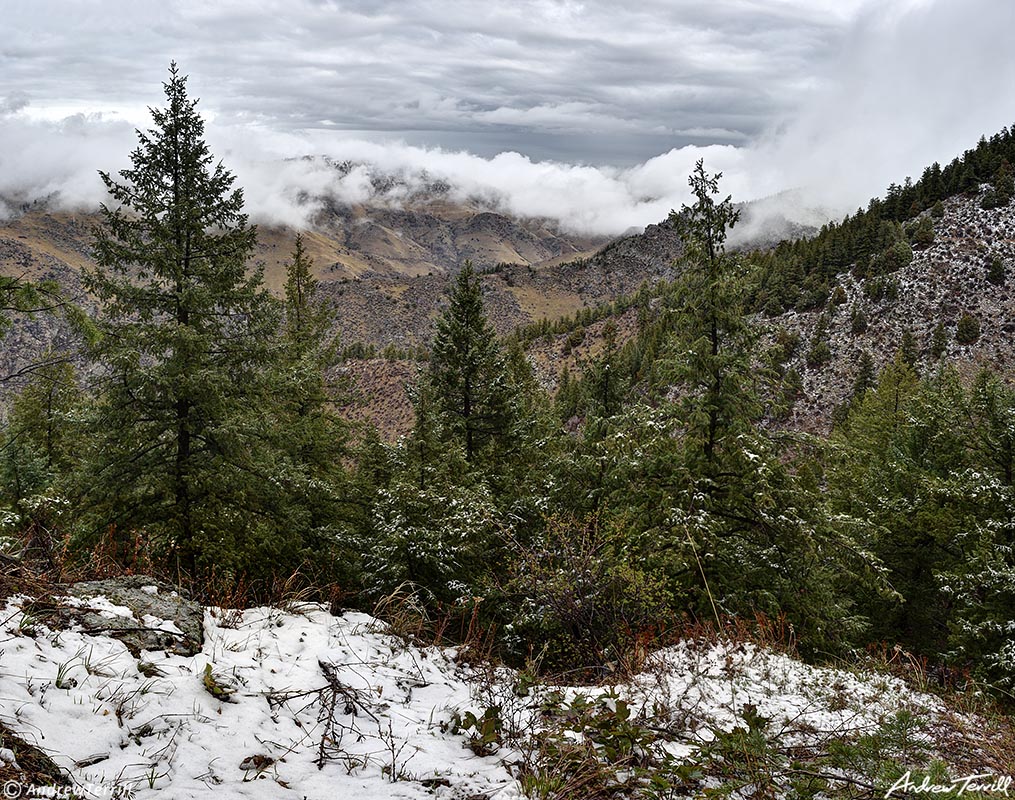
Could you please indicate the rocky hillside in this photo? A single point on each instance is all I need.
(382, 310)
(394, 313)
(945, 281)
(387, 270)
(346, 242)
(40, 250)
(386, 267)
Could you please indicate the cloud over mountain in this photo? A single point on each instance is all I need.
(582, 112)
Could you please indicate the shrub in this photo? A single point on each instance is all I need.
(819, 355)
(968, 330)
(991, 200)
(581, 600)
(786, 344)
(437, 538)
(893, 258)
(881, 288)
(594, 747)
(923, 236)
(995, 270)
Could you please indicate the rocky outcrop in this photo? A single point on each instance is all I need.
(143, 613)
(944, 281)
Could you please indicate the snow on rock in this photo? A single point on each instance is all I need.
(330, 706)
(122, 605)
(943, 281)
(7, 757)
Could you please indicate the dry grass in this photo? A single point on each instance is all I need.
(409, 613)
(539, 304)
(17, 579)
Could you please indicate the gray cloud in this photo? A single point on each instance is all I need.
(911, 85)
(13, 103)
(584, 112)
(529, 69)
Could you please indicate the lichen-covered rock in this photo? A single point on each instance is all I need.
(143, 613)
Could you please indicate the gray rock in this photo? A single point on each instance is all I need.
(136, 593)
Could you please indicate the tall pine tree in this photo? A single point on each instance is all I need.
(714, 340)
(310, 435)
(177, 440)
(468, 373)
(745, 533)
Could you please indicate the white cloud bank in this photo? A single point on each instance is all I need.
(58, 161)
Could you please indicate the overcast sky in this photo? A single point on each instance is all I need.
(583, 111)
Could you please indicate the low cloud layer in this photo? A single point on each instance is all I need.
(546, 109)
(60, 160)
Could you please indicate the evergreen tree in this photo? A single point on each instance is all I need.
(793, 387)
(1004, 183)
(307, 349)
(308, 433)
(930, 466)
(41, 416)
(714, 338)
(308, 318)
(606, 391)
(467, 372)
(866, 376)
(908, 348)
(858, 321)
(567, 398)
(923, 234)
(995, 270)
(939, 340)
(968, 329)
(18, 296)
(178, 429)
(739, 526)
(993, 412)
(820, 352)
(37, 449)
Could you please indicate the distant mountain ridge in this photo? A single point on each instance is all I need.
(388, 269)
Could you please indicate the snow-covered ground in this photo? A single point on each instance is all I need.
(338, 707)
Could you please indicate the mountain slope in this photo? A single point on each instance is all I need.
(943, 282)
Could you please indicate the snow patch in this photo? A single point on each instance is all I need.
(330, 706)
